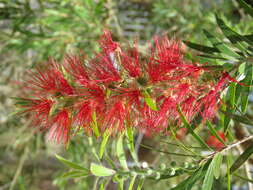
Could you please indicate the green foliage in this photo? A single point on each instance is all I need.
(121, 153)
(242, 159)
(213, 170)
(149, 101)
(105, 138)
(190, 129)
(101, 171)
(53, 28)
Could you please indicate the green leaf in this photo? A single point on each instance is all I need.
(121, 153)
(214, 132)
(228, 172)
(243, 178)
(132, 182)
(239, 118)
(246, 7)
(202, 48)
(95, 125)
(141, 182)
(249, 39)
(190, 129)
(149, 101)
(102, 186)
(21, 101)
(221, 46)
(120, 181)
(229, 106)
(130, 144)
(245, 90)
(217, 165)
(70, 164)
(232, 90)
(242, 159)
(233, 36)
(189, 182)
(208, 180)
(101, 171)
(213, 167)
(106, 136)
(75, 174)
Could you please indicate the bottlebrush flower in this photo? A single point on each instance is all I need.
(130, 61)
(39, 108)
(107, 44)
(103, 70)
(60, 127)
(166, 62)
(75, 66)
(211, 102)
(49, 80)
(115, 117)
(116, 89)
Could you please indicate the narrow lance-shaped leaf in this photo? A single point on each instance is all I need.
(120, 182)
(232, 89)
(221, 46)
(202, 48)
(217, 165)
(208, 180)
(213, 170)
(229, 107)
(249, 39)
(70, 164)
(246, 89)
(132, 182)
(102, 186)
(246, 7)
(242, 159)
(149, 101)
(239, 118)
(121, 153)
(75, 174)
(141, 182)
(95, 125)
(101, 171)
(233, 36)
(214, 132)
(228, 173)
(189, 182)
(106, 136)
(190, 129)
(130, 144)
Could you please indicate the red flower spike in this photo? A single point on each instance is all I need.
(107, 44)
(130, 61)
(211, 100)
(115, 117)
(60, 127)
(84, 116)
(159, 72)
(190, 108)
(40, 108)
(50, 81)
(103, 70)
(132, 96)
(167, 110)
(75, 66)
(168, 52)
(111, 85)
(213, 142)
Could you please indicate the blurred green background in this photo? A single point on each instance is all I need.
(33, 30)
